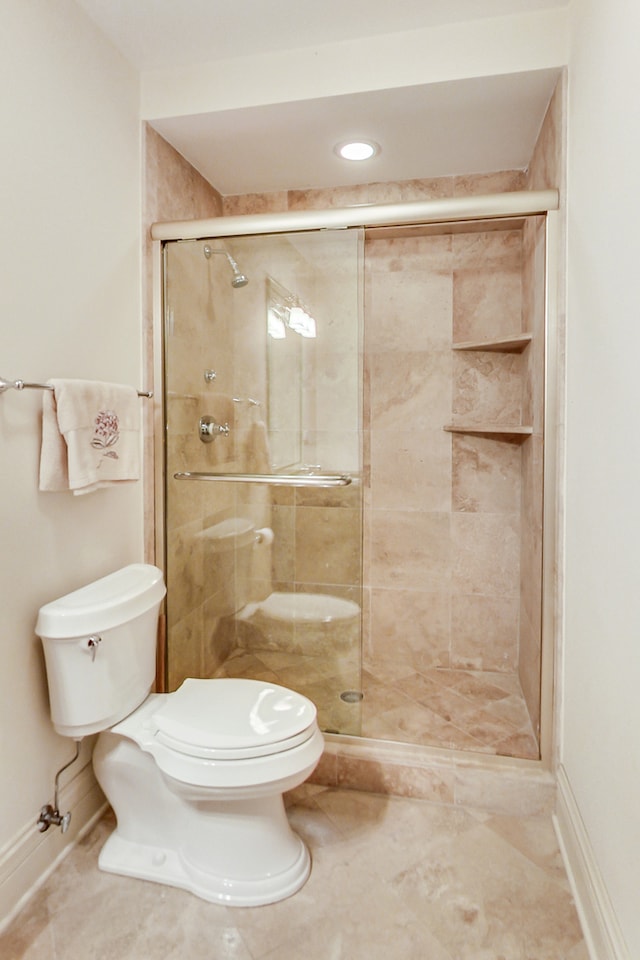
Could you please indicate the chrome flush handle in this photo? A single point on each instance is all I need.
(92, 645)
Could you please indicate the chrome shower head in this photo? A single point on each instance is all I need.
(239, 278)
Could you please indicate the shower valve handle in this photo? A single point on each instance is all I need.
(210, 429)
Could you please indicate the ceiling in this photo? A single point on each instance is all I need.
(432, 130)
(458, 127)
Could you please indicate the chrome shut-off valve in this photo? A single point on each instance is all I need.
(50, 817)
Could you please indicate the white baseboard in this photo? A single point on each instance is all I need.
(30, 857)
(599, 923)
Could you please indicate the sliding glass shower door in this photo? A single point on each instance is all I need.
(263, 499)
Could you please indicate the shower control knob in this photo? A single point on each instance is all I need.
(210, 429)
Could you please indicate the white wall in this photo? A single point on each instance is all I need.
(69, 306)
(600, 747)
(508, 44)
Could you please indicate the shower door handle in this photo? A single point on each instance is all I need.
(272, 479)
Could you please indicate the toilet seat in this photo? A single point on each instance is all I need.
(233, 719)
(227, 734)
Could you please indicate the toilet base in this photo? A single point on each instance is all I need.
(163, 865)
(238, 852)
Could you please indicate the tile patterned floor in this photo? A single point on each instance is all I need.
(456, 709)
(392, 879)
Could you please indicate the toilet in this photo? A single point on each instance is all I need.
(195, 777)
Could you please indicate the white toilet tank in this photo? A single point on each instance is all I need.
(100, 649)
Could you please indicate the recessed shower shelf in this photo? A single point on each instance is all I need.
(496, 431)
(500, 345)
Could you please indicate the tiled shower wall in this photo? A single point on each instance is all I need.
(211, 327)
(444, 511)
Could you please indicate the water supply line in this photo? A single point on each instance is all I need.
(50, 815)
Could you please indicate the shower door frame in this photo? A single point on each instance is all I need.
(444, 212)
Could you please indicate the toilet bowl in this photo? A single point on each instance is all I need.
(195, 777)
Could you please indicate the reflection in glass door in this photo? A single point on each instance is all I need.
(263, 525)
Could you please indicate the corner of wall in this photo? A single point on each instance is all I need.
(600, 926)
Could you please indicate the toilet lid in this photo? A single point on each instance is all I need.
(232, 718)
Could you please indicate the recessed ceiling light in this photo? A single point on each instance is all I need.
(357, 150)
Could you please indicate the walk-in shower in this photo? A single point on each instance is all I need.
(365, 522)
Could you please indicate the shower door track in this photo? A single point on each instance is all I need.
(517, 203)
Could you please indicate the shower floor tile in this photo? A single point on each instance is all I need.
(456, 709)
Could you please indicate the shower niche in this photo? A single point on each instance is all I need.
(406, 598)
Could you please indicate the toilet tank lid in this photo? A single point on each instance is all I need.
(109, 602)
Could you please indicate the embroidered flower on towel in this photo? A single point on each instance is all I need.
(106, 432)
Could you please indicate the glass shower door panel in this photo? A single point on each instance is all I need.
(264, 579)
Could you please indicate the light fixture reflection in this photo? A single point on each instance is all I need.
(286, 311)
(275, 325)
(301, 322)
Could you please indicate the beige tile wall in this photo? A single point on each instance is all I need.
(196, 297)
(208, 327)
(443, 515)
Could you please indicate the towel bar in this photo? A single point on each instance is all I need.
(25, 385)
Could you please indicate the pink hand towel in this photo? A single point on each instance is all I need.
(90, 436)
